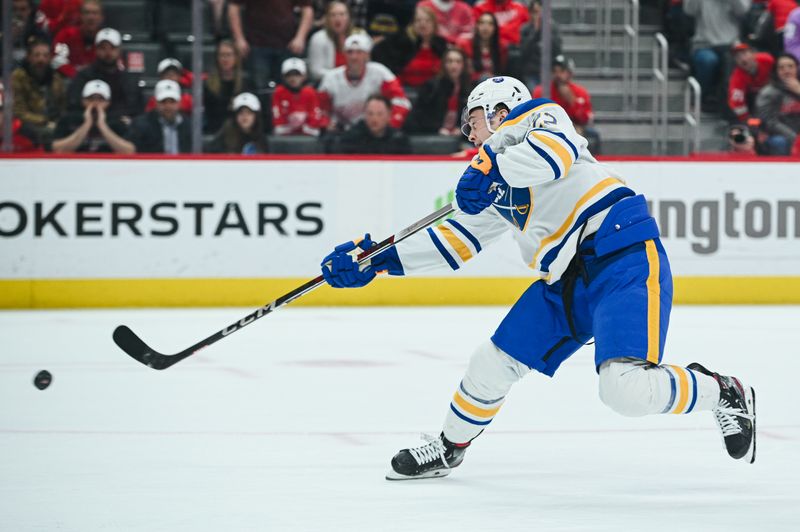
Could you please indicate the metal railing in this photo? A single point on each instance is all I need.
(578, 13)
(691, 115)
(603, 33)
(630, 56)
(660, 112)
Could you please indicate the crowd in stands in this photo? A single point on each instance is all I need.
(744, 54)
(359, 76)
(363, 76)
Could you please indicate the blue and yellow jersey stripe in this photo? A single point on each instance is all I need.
(525, 110)
(598, 198)
(454, 242)
(554, 148)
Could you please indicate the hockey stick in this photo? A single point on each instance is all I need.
(129, 342)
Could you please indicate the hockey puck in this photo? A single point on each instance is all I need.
(43, 379)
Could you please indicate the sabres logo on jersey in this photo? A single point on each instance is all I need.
(515, 205)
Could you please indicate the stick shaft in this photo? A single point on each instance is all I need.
(127, 340)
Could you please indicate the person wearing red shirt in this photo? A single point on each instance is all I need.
(455, 18)
(171, 68)
(487, 52)
(574, 99)
(749, 76)
(295, 106)
(511, 15)
(60, 14)
(415, 54)
(73, 46)
(780, 9)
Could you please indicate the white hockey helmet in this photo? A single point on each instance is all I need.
(491, 92)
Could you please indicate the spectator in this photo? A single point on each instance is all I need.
(23, 27)
(171, 68)
(243, 133)
(73, 46)
(92, 130)
(373, 134)
(717, 28)
(326, 47)
(510, 15)
(40, 96)
(678, 29)
(791, 34)
(388, 17)
(218, 13)
(488, 53)
(415, 54)
(778, 105)
(268, 33)
(59, 14)
(126, 96)
(454, 18)
(740, 141)
(751, 73)
(165, 129)
(295, 106)
(530, 49)
(440, 101)
(222, 84)
(345, 89)
(780, 10)
(19, 142)
(574, 99)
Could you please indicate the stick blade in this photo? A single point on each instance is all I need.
(127, 340)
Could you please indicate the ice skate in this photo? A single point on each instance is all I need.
(436, 458)
(735, 414)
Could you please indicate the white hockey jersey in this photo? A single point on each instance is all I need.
(555, 187)
(343, 99)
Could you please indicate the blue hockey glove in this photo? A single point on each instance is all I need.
(341, 270)
(477, 188)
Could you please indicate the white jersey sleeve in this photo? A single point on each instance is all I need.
(450, 244)
(537, 143)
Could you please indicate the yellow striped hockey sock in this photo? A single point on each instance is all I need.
(690, 391)
(469, 414)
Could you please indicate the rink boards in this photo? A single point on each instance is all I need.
(150, 232)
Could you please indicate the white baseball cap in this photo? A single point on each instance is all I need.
(109, 35)
(293, 63)
(169, 62)
(166, 88)
(96, 86)
(247, 99)
(358, 41)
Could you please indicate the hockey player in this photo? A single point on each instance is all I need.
(601, 273)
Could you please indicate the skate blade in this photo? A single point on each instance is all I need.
(751, 407)
(394, 475)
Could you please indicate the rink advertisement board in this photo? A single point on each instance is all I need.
(97, 232)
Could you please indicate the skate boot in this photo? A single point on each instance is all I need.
(735, 414)
(434, 459)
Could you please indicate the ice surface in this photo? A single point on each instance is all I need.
(290, 425)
